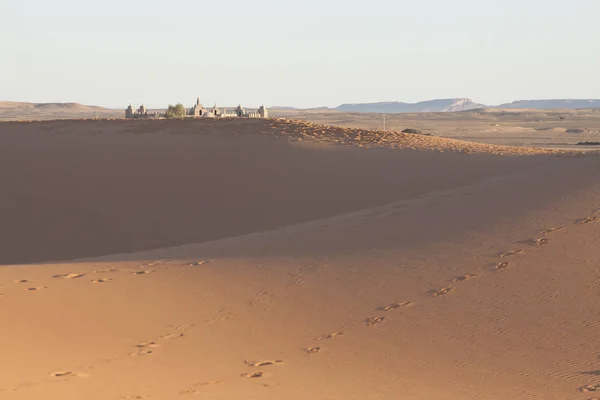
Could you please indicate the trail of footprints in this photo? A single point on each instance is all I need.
(141, 349)
(148, 348)
(499, 266)
(76, 276)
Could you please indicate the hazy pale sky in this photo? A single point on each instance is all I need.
(297, 53)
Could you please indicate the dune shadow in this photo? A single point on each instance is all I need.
(134, 193)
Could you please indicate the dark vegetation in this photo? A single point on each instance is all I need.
(176, 111)
(415, 132)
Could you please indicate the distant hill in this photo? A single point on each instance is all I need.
(453, 105)
(441, 105)
(286, 108)
(557, 103)
(283, 108)
(11, 111)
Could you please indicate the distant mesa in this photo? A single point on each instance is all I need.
(443, 105)
(46, 106)
(199, 111)
(286, 108)
(553, 104)
(464, 104)
(16, 111)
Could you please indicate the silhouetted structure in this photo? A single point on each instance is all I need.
(199, 111)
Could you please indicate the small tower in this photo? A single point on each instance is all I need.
(143, 111)
(129, 113)
(240, 112)
(263, 112)
(196, 110)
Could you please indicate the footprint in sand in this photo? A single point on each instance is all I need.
(262, 363)
(34, 289)
(198, 263)
(61, 374)
(374, 321)
(535, 242)
(68, 276)
(443, 291)
(590, 388)
(142, 353)
(501, 265)
(208, 383)
(312, 350)
(146, 344)
(144, 349)
(102, 280)
(253, 375)
(394, 306)
(67, 374)
(104, 271)
(586, 220)
(330, 336)
(172, 336)
(510, 253)
(465, 277)
(153, 263)
(179, 332)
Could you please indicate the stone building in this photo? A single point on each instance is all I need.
(199, 111)
(141, 112)
(262, 112)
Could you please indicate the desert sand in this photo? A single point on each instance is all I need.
(558, 128)
(285, 260)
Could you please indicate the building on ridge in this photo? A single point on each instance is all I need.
(240, 112)
(263, 112)
(141, 112)
(129, 113)
(199, 111)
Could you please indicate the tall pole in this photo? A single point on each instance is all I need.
(383, 121)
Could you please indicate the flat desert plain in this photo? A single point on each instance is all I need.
(276, 259)
(556, 128)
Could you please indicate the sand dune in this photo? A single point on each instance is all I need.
(231, 260)
(118, 186)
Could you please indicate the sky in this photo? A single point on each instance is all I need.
(305, 53)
